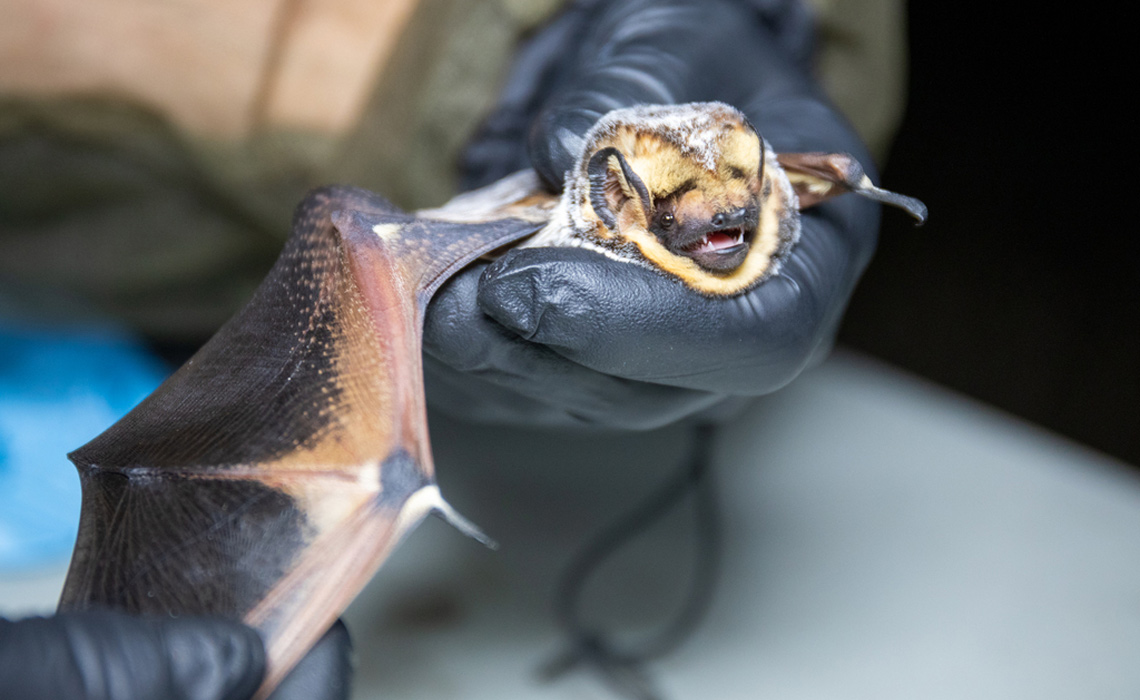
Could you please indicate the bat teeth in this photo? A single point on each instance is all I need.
(716, 240)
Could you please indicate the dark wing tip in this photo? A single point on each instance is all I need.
(910, 205)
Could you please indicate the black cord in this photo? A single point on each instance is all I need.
(623, 668)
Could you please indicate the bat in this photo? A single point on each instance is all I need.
(270, 476)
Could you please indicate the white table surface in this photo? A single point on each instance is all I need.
(884, 539)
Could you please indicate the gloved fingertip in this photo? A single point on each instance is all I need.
(513, 294)
(564, 297)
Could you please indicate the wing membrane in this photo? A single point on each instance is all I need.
(269, 477)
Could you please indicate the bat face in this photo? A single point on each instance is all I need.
(685, 189)
(704, 185)
(705, 192)
(712, 215)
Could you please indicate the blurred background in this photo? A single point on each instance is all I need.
(1021, 291)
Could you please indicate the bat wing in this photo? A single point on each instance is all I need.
(269, 477)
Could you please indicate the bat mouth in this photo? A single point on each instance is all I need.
(720, 250)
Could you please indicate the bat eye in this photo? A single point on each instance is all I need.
(667, 220)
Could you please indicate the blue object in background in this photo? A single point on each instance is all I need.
(58, 389)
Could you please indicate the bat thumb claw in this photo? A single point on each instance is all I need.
(452, 517)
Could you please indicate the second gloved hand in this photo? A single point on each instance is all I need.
(563, 336)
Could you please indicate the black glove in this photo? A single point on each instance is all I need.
(112, 656)
(562, 336)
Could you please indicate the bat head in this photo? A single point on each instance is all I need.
(694, 191)
(690, 178)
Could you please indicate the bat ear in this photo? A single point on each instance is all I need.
(613, 184)
(818, 177)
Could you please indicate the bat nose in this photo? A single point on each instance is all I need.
(730, 219)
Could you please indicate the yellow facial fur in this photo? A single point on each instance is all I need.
(694, 161)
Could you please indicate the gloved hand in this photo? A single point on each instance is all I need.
(562, 336)
(112, 656)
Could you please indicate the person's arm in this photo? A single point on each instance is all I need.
(558, 336)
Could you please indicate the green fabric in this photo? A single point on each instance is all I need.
(433, 96)
(106, 210)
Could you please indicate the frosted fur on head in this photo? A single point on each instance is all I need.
(695, 128)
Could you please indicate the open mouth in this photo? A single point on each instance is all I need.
(722, 250)
(717, 241)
